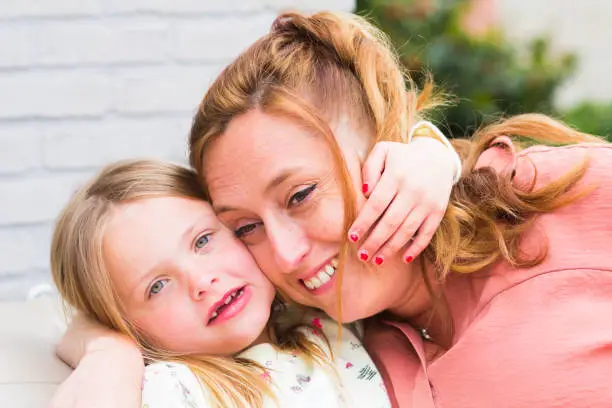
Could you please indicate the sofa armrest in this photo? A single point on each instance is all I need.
(29, 370)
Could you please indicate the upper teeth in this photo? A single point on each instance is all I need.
(323, 276)
(228, 299)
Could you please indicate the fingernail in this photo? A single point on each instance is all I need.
(363, 255)
(378, 260)
(408, 259)
(354, 237)
(364, 188)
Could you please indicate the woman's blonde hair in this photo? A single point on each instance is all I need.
(80, 274)
(310, 68)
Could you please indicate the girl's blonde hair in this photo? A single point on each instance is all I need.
(80, 274)
(314, 68)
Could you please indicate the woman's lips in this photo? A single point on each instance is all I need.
(323, 279)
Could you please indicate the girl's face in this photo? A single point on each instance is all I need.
(184, 280)
(273, 183)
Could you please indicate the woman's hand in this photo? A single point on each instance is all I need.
(103, 379)
(109, 368)
(408, 187)
(85, 336)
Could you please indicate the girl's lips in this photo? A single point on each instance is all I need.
(237, 305)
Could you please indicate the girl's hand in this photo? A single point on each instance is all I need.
(408, 187)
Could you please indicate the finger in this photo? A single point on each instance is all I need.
(373, 167)
(402, 236)
(424, 235)
(373, 208)
(385, 228)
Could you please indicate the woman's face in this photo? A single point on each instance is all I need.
(274, 184)
(183, 278)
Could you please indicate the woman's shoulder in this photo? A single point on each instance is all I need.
(544, 164)
(169, 384)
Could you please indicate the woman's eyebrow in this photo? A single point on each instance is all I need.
(280, 178)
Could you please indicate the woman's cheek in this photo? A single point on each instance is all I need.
(330, 219)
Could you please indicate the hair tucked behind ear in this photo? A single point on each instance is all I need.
(80, 274)
(308, 66)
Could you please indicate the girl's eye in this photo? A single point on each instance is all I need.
(301, 195)
(202, 241)
(245, 230)
(157, 287)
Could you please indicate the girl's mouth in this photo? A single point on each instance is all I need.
(230, 305)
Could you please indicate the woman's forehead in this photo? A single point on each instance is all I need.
(257, 142)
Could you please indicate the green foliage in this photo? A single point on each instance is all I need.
(592, 118)
(489, 76)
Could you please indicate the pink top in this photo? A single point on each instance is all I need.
(539, 337)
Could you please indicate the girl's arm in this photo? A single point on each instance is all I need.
(408, 187)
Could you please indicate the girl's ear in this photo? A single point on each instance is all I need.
(500, 156)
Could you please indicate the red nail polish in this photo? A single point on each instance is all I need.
(378, 260)
(408, 259)
(363, 255)
(354, 237)
(364, 188)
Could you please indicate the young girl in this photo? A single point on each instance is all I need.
(140, 251)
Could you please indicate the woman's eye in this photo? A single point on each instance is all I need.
(301, 195)
(202, 241)
(157, 287)
(245, 230)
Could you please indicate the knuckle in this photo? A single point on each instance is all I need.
(369, 246)
(415, 186)
(377, 238)
(439, 212)
(393, 246)
(428, 200)
(389, 224)
(422, 241)
(378, 206)
(410, 226)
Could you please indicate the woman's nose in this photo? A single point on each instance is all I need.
(289, 242)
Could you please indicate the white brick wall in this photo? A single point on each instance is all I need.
(85, 82)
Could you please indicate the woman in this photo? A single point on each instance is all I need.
(499, 297)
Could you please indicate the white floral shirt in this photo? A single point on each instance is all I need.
(296, 384)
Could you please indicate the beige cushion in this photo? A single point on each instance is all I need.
(29, 369)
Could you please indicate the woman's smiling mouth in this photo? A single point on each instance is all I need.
(323, 277)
